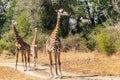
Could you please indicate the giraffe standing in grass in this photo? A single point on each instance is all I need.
(21, 46)
(34, 48)
(53, 46)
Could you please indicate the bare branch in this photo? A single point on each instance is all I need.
(115, 6)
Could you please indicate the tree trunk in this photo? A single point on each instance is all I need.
(115, 6)
(91, 18)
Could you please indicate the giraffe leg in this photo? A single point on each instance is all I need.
(28, 54)
(17, 54)
(34, 61)
(35, 56)
(22, 59)
(55, 56)
(59, 65)
(25, 60)
(50, 58)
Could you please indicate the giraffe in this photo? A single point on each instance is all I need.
(21, 46)
(53, 46)
(34, 48)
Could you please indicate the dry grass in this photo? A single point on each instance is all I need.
(7, 73)
(80, 63)
(87, 63)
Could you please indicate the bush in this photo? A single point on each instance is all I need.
(115, 37)
(105, 43)
(74, 43)
(91, 44)
(8, 42)
(23, 26)
(1, 46)
(42, 40)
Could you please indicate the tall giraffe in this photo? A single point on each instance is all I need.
(21, 46)
(53, 45)
(34, 48)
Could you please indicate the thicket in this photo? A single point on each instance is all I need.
(105, 40)
(98, 33)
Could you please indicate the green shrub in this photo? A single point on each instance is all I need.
(104, 43)
(23, 26)
(42, 40)
(74, 42)
(91, 41)
(115, 37)
(91, 44)
(8, 42)
(10, 47)
(2, 46)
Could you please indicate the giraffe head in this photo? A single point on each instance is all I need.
(35, 29)
(62, 12)
(14, 23)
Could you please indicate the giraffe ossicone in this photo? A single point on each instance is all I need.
(14, 23)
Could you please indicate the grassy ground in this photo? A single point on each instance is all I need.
(92, 63)
(7, 73)
(88, 63)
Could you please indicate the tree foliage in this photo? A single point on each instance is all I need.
(41, 14)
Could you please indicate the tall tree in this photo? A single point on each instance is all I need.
(3, 7)
(6, 14)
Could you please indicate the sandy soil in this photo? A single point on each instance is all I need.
(75, 66)
(41, 72)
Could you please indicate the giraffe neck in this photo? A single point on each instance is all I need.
(56, 31)
(35, 38)
(17, 36)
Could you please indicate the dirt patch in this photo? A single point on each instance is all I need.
(75, 66)
(7, 73)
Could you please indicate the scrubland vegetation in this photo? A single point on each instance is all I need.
(97, 26)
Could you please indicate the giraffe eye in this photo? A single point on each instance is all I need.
(62, 11)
